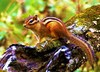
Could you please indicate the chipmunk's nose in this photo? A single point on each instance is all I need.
(24, 25)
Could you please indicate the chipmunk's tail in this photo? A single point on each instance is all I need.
(85, 47)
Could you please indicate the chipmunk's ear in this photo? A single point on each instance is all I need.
(35, 17)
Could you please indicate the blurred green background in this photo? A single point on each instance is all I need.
(13, 13)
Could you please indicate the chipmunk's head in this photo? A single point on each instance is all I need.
(31, 21)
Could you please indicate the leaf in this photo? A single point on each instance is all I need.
(2, 35)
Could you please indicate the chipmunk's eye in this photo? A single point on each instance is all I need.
(31, 21)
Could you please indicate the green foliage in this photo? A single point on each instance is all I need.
(2, 35)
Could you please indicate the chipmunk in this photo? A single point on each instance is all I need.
(55, 28)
